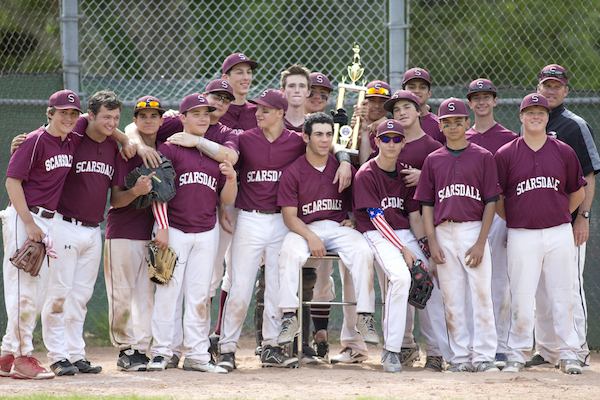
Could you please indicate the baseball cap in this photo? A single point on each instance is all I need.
(481, 85)
(554, 71)
(319, 79)
(64, 100)
(534, 99)
(221, 86)
(416, 73)
(237, 58)
(147, 103)
(378, 89)
(452, 107)
(192, 101)
(390, 126)
(401, 95)
(273, 99)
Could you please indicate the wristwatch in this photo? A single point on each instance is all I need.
(584, 214)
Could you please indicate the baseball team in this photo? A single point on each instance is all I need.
(499, 219)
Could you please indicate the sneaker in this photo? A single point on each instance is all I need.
(191, 365)
(214, 346)
(64, 368)
(29, 368)
(320, 344)
(570, 366)
(500, 360)
(130, 361)
(227, 361)
(584, 366)
(173, 362)
(458, 367)
(391, 361)
(486, 366)
(348, 356)
(434, 363)
(409, 355)
(158, 363)
(536, 360)
(366, 327)
(289, 330)
(513, 367)
(85, 367)
(258, 351)
(274, 357)
(309, 355)
(6, 363)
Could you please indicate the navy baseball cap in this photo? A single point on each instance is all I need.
(401, 95)
(220, 86)
(416, 73)
(273, 99)
(192, 101)
(378, 89)
(481, 85)
(319, 79)
(534, 99)
(237, 58)
(65, 100)
(147, 103)
(554, 71)
(390, 126)
(452, 107)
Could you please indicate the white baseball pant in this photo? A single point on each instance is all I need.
(500, 284)
(223, 255)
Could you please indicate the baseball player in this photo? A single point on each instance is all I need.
(418, 82)
(459, 183)
(34, 180)
(317, 215)
(487, 133)
(371, 114)
(295, 85)
(574, 131)
(542, 181)
(189, 227)
(320, 93)
(237, 70)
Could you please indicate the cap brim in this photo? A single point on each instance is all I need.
(562, 81)
(263, 103)
(67, 107)
(535, 105)
(377, 95)
(452, 115)
(210, 108)
(390, 132)
(160, 110)
(229, 95)
(481, 91)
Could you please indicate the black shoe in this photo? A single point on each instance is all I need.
(536, 360)
(85, 367)
(214, 347)
(227, 361)
(131, 360)
(274, 357)
(64, 368)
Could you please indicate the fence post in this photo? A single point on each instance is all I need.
(69, 33)
(398, 41)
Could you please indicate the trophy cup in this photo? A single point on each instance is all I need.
(355, 72)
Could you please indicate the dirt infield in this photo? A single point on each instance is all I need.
(325, 381)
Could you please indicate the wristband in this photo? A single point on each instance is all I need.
(342, 156)
(424, 243)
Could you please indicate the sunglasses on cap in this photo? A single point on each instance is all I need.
(387, 139)
(221, 97)
(144, 104)
(550, 73)
(323, 97)
(381, 90)
(481, 88)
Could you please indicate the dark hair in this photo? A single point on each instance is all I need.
(106, 98)
(295, 69)
(315, 118)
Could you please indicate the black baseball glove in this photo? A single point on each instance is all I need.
(421, 285)
(163, 183)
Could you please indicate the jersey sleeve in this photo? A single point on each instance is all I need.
(364, 192)
(575, 175)
(502, 167)
(22, 160)
(491, 186)
(425, 187)
(287, 194)
(170, 126)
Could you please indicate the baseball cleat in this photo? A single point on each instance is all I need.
(513, 367)
(6, 363)
(191, 365)
(391, 361)
(366, 327)
(85, 367)
(349, 356)
(536, 360)
(214, 346)
(274, 357)
(227, 361)
(289, 330)
(434, 363)
(29, 368)
(570, 367)
(129, 360)
(64, 368)
(458, 367)
(158, 363)
(486, 366)
(173, 362)
(409, 355)
(320, 344)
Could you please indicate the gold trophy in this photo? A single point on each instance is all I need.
(355, 72)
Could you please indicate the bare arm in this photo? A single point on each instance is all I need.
(148, 154)
(436, 252)
(229, 191)
(500, 208)
(417, 226)
(14, 187)
(296, 225)
(581, 226)
(575, 199)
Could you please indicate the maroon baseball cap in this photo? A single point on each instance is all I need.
(378, 89)
(481, 85)
(416, 73)
(147, 103)
(401, 95)
(192, 101)
(220, 86)
(273, 99)
(390, 126)
(64, 100)
(452, 107)
(237, 58)
(534, 99)
(319, 79)
(554, 71)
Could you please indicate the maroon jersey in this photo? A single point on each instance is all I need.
(217, 133)
(240, 118)
(291, 127)
(492, 139)
(42, 162)
(537, 184)
(84, 193)
(128, 222)
(413, 153)
(311, 190)
(458, 185)
(373, 188)
(261, 164)
(431, 126)
(198, 180)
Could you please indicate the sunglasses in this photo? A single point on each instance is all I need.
(387, 139)
(481, 88)
(221, 97)
(381, 90)
(549, 73)
(323, 97)
(144, 104)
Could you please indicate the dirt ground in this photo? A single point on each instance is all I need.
(326, 381)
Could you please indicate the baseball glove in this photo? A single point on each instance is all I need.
(163, 183)
(29, 257)
(161, 263)
(421, 285)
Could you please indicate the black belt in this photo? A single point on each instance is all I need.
(264, 211)
(76, 222)
(43, 213)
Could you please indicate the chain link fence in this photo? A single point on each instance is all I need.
(170, 48)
